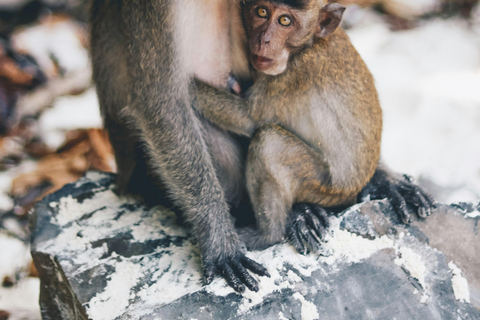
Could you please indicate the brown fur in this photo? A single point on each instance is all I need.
(319, 124)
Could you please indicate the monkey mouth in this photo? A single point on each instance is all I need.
(260, 62)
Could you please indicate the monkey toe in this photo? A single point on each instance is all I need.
(235, 271)
(417, 199)
(307, 227)
(209, 273)
(406, 197)
(232, 279)
(316, 218)
(323, 217)
(243, 275)
(294, 239)
(254, 266)
(399, 205)
(307, 236)
(423, 212)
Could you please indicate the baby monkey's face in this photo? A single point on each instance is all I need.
(275, 29)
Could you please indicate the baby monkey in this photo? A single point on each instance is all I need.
(314, 115)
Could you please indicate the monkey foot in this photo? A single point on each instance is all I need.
(406, 197)
(307, 227)
(234, 270)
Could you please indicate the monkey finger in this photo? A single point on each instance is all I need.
(419, 199)
(322, 215)
(423, 212)
(254, 266)
(313, 241)
(295, 240)
(232, 279)
(425, 209)
(411, 187)
(314, 223)
(298, 210)
(399, 205)
(408, 178)
(377, 188)
(208, 273)
(426, 198)
(310, 241)
(244, 276)
(410, 195)
(370, 191)
(297, 227)
(304, 233)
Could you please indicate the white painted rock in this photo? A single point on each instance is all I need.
(103, 257)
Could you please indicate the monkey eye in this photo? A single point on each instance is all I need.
(285, 21)
(262, 12)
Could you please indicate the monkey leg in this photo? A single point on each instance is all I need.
(289, 184)
(123, 146)
(404, 195)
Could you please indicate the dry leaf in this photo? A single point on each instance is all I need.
(85, 150)
(32, 270)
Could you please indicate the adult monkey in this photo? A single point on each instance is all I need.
(145, 54)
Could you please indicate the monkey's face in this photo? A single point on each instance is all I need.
(274, 29)
(277, 28)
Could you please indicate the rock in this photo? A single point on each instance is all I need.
(100, 256)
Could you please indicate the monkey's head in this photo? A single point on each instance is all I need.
(278, 28)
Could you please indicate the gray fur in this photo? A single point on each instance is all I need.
(142, 54)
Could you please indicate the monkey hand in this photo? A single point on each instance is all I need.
(234, 270)
(406, 197)
(307, 226)
(234, 86)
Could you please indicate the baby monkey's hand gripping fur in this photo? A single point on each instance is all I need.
(316, 123)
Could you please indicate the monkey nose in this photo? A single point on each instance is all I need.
(264, 38)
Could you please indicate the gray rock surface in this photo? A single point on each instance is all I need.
(104, 257)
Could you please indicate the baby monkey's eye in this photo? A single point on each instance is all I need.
(262, 12)
(285, 21)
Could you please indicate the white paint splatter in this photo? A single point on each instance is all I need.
(177, 275)
(309, 310)
(472, 215)
(342, 247)
(353, 248)
(459, 283)
(293, 277)
(424, 298)
(71, 210)
(113, 301)
(413, 263)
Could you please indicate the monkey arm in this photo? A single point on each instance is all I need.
(224, 109)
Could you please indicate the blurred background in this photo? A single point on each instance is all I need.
(424, 55)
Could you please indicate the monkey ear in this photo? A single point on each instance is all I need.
(329, 19)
